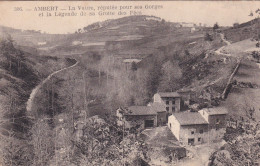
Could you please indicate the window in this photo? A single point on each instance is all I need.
(173, 101)
(148, 123)
(167, 102)
(173, 109)
(192, 132)
(201, 131)
(170, 125)
(191, 141)
(199, 139)
(167, 108)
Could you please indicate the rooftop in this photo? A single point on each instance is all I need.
(189, 118)
(216, 111)
(140, 110)
(169, 94)
(132, 60)
(158, 107)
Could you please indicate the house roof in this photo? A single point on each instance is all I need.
(189, 118)
(216, 111)
(158, 107)
(169, 94)
(140, 110)
(132, 60)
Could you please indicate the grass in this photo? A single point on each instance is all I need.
(241, 100)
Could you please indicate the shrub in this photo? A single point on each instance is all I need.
(208, 37)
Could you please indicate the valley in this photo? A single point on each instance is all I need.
(60, 93)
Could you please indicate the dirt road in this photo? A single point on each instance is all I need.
(220, 51)
(36, 89)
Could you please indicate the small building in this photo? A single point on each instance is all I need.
(161, 113)
(137, 116)
(129, 62)
(188, 127)
(187, 25)
(185, 96)
(172, 101)
(216, 118)
(193, 29)
(207, 125)
(152, 115)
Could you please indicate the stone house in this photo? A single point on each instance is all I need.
(161, 113)
(137, 116)
(188, 127)
(216, 118)
(194, 128)
(171, 100)
(155, 113)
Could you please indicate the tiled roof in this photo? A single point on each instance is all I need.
(158, 107)
(216, 111)
(140, 110)
(189, 118)
(169, 94)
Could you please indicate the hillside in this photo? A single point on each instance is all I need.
(120, 62)
(242, 31)
(20, 72)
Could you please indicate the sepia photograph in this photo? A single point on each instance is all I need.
(123, 83)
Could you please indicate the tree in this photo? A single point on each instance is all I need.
(42, 142)
(153, 79)
(133, 66)
(235, 24)
(105, 143)
(171, 73)
(208, 37)
(215, 27)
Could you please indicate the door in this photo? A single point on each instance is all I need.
(148, 123)
(191, 141)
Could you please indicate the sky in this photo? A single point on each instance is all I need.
(206, 12)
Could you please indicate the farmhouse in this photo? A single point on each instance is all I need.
(152, 115)
(142, 116)
(172, 101)
(137, 116)
(188, 127)
(198, 127)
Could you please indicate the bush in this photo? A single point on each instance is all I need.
(216, 26)
(208, 37)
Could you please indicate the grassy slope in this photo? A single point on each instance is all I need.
(240, 99)
(243, 31)
(16, 85)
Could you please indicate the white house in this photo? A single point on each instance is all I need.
(188, 127)
(209, 124)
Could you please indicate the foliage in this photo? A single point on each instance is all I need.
(235, 24)
(42, 142)
(105, 144)
(242, 147)
(216, 26)
(171, 73)
(208, 37)
(256, 55)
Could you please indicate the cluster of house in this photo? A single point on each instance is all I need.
(188, 127)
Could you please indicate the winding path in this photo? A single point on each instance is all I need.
(220, 50)
(36, 89)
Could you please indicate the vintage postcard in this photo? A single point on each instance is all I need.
(123, 83)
